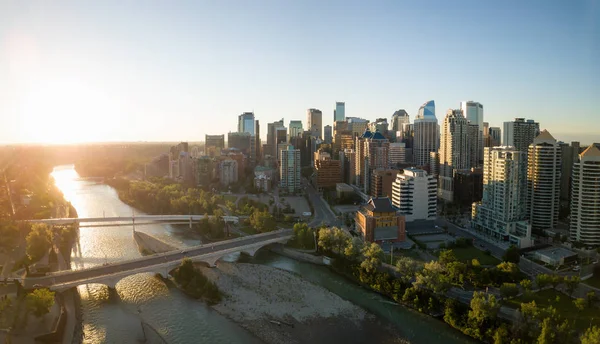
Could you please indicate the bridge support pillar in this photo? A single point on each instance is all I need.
(211, 261)
(252, 251)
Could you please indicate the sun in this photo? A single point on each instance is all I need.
(61, 111)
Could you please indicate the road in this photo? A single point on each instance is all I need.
(70, 276)
(323, 213)
(496, 251)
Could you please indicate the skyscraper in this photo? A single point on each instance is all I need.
(585, 197)
(289, 170)
(569, 154)
(473, 111)
(295, 129)
(543, 181)
(520, 133)
(246, 123)
(502, 211)
(453, 153)
(413, 193)
(426, 134)
(327, 134)
(399, 119)
(372, 151)
(494, 137)
(339, 114)
(213, 144)
(315, 122)
(474, 146)
(274, 137)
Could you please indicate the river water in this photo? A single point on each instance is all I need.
(177, 318)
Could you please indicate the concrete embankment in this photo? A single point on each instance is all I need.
(297, 254)
(148, 244)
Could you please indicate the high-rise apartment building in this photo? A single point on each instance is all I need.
(397, 153)
(426, 134)
(339, 114)
(289, 170)
(473, 112)
(569, 154)
(258, 142)
(382, 181)
(228, 172)
(276, 134)
(520, 133)
(543, 181)
(315, 122)
(213, 144)
(453, 152)
(414, 194)
(475, 159)
(295, 129)
(328, 171)
(327, 134)
(585, 197)
(502, 212)
(246, 123)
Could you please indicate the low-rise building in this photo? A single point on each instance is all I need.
(379, 221)
(556, 256)
(343, 190)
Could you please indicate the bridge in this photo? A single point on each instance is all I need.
(162, 263)
(132, 220)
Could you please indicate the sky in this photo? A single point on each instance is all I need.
(82, 71)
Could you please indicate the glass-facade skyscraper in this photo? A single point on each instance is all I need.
(339, 114)
(246, 123)
(426, 134)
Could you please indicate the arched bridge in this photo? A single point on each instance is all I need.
(162, 263)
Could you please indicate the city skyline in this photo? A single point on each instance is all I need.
(64, 70)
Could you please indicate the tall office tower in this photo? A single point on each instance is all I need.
(381, 182)
(474, 146)
(585, 197)
(341, 129)
(213, 144)
(399, 119)
(495, 136)
(274, 137)
(246, 123)
(327, 170)
(569, 154)
(381, 125)
(543, 181)
(258, 141)
(372, 151)
(242, 141)
(473, 111)
(315, 122)
(486, 133)
(357, 125)
(397, 153)
(339, 114)
(348, 160)
(426, 134)
(414, 194)
(453, 152)
(520, 133)
(327, 134)
(295, 129)
(502, 211)
(289, 170)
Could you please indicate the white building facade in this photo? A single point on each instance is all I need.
(585, 197)
(414, 194)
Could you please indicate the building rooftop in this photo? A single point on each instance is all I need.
(556, 253)
(378, 136)
(591, 151)
(380, 205)
(544, 136)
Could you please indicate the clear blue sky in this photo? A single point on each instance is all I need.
(167, 71)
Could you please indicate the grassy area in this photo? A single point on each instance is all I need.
(563, 304)
(403, 253)
(468, 253)
(231, 198)
(249, 230)
(594, 281)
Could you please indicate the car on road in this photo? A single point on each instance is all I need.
(576, 268)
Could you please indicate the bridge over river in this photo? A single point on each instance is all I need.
(162, 264)
(132, 220)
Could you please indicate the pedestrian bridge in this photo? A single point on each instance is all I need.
(162, 263)
(132, 220)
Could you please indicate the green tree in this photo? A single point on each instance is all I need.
(580, 303)
(509, 290)
(354, 248)
(571, 284)
(457, 272)
(408, 268)
(526, 284)
(9, 234)
(451, 315)
(326, 240)
(40, 301)
(512, 255)
(38, 241)
(483, 312)
(446, 257)
(591, 298)
(556, 280)
(543, 280)
(591, 336)
(432, 277)
(262, 221)
(501, 335)
(372, 254)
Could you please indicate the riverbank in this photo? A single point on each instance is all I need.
(278, 306)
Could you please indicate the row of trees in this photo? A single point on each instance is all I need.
(193, 282)
(304, 237)
(161, 196)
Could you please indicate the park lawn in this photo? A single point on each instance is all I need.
(249, 230)
(564, 306)
(402, 253)
(465, 254)
(594, 281)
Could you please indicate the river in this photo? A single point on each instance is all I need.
(177, 318)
